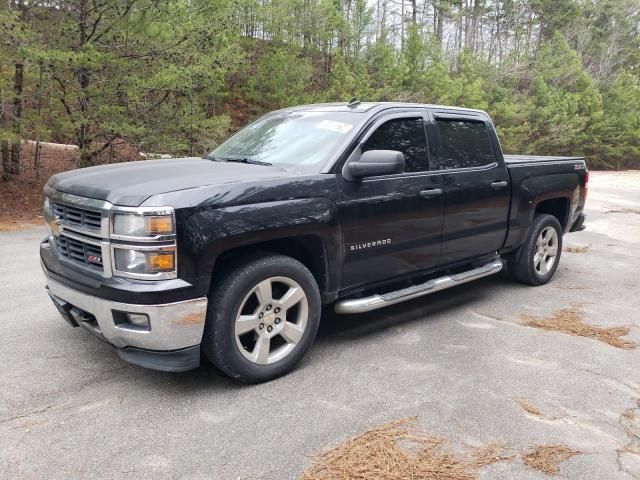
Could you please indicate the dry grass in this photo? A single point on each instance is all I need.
(489, 454)
(623, 210)
(571, 321)
(528, 407)
(398, 451)
(626, 421)
(21, 197)
(631, 448)
(547, 458)
(629, 414)
(577, 249)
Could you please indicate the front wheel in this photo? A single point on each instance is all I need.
(537, 260)
(262, 317)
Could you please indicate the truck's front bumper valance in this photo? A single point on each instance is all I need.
(164, 337)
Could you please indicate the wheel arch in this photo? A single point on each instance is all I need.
(308, 249)
(305, 229)
(558, 207)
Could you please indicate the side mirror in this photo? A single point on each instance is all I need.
(372, 163)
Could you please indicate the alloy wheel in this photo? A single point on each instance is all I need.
(546, 251)
(271, 320)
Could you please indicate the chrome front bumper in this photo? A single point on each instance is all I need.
(172, 326)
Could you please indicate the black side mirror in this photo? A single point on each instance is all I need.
(372, 163)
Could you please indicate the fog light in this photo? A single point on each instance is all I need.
(138, 319)
(131, 321)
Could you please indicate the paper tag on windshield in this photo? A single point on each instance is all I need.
(335, 126)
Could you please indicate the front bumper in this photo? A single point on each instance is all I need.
(171, 342)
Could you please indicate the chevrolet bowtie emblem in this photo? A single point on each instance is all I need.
(56, 226)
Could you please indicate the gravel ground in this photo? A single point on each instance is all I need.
(69, 407)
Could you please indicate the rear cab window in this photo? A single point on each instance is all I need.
(460, 143)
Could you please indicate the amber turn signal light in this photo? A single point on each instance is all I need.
(160, 262)
(159, 225)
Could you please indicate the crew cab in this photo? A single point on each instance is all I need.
(360, 205)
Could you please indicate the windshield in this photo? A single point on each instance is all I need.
(288, 139)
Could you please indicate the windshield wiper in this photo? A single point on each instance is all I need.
(245, 160)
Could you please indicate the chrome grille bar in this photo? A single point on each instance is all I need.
(80, 232)
(83, 230)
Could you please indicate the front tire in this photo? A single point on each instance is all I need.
(263, 316)
(537, 260)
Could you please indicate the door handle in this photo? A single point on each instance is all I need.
(499, 185)
(431, 193)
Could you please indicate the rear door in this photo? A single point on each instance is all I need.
(392, 223)
(476, 183)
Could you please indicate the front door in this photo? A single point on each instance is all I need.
(392, 224)
(476, 184)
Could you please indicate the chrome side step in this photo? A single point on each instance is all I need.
(366, 304)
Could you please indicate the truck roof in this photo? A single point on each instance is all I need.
(373, 107)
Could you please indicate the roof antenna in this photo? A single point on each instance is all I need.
(353, 103)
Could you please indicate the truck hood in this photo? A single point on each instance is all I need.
(130, 184)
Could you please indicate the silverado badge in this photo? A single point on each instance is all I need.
(364, 245)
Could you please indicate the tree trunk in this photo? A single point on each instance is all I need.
(401, 24)
(18, 81)
(475, 21)
(466, 11)
(439, 14)
(82, 132)
(36, 156)
(6, 160)
(82, 75)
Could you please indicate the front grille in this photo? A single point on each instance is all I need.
(78, 217)
(79, 251)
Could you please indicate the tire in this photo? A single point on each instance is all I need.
(537, 259)
(263, 316)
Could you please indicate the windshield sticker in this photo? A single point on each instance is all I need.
(335, 126)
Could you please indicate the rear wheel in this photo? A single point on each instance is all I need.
(537, 260)
(263, 316)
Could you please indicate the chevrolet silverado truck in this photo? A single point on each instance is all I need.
(231, 257)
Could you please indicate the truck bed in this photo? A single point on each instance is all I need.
(515, 159)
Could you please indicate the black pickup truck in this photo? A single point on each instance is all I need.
(358, 205)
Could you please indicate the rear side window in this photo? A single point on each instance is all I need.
(405, 135)
(461, 144)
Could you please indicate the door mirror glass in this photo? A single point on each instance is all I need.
(373, 163)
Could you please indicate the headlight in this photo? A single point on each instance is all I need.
(153, 229)
(145, 263)
(153, 225)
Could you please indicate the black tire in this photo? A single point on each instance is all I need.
(521, 265)
(229, 290)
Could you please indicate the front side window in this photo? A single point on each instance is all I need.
(461, 144)
(404, 135)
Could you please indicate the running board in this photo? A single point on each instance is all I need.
(366, 304)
